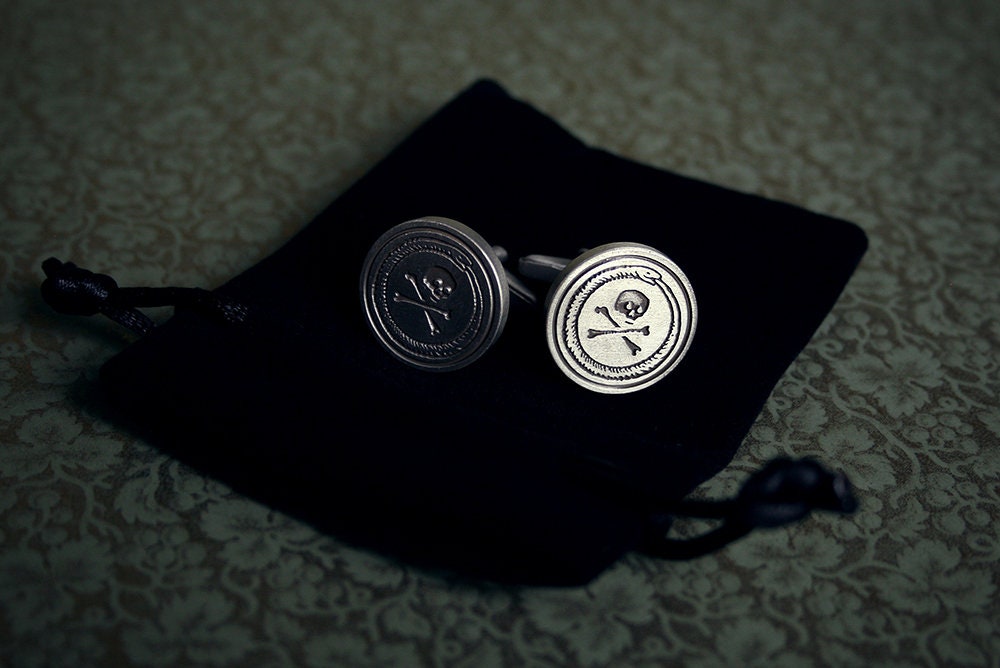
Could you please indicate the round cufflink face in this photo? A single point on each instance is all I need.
(620, 317)
(434, 293)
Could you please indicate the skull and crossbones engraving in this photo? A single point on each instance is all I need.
(632, 305)
(440, 285)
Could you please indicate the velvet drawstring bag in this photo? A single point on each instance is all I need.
(503, 470)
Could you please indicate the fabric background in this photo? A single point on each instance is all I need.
(178, 143)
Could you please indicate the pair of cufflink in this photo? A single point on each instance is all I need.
(618, 318)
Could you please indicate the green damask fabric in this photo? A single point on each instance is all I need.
(178, 143)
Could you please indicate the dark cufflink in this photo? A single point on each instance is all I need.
(618, 317)
(436, 294)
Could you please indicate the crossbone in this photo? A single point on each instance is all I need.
(593, 333)
(419, 303)
(618, 329)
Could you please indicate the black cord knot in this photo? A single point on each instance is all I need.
(73, 290)
(787, 490)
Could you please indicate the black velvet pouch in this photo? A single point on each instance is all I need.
(504, 469)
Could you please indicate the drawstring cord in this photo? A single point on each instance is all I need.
(72, 290)
(783, 491)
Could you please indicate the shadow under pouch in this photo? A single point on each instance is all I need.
(495, 466)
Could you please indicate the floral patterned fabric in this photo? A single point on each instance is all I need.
(177, 143)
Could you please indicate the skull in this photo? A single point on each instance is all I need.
(632, 304)
(440, 283)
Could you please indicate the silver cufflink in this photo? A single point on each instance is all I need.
(436, 294)
(618, 318)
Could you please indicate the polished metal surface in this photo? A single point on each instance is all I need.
(435, 293)
(619, 317)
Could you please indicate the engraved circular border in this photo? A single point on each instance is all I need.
(445, 237)
(586, 275)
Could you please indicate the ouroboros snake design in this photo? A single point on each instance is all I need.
(460, 260)
(619, 373)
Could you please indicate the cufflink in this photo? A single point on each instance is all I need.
(618, 317)
(436, 294)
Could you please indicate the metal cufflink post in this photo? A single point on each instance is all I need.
(618, 317)
(436, 294)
